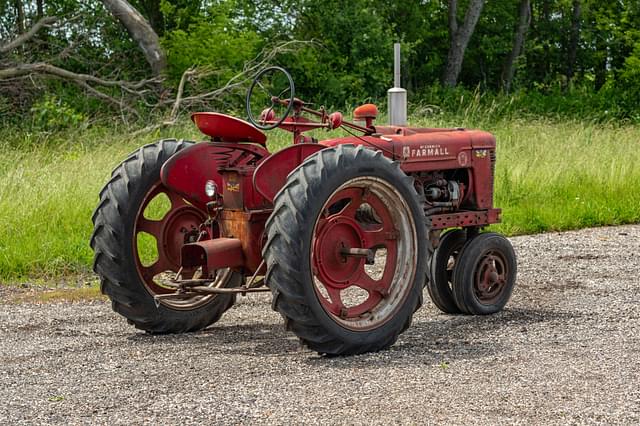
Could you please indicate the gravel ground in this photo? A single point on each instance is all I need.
(565, 350)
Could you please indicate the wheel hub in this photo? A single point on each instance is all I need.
(491, 278)
(181, 226)
(334, 267)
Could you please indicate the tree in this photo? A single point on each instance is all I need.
(20, 15)
(459, 37)
(151, 9)
(574, 39)
(518, 42)
(139, 30)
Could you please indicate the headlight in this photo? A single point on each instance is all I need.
(210, 188)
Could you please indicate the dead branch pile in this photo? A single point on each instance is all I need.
(126, 96)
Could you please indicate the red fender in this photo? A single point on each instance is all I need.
(187, 172)
(272, 173)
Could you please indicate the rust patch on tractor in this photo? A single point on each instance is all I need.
(248, 228)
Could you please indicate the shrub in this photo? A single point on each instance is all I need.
(50, 114)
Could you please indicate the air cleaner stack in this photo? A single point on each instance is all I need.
(397, 96)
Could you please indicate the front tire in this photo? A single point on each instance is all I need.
(485, 274)
(131, 279)
(442, 265)
(335, 297)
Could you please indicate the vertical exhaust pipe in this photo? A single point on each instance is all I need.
(397, 96)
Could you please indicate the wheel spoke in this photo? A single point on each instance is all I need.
(175, 199)
(336, 306)
(377, 238)
(380, 286)
(286, 89)
(264, 89)
(355, 197)
(377, 235)
(365, 282)
(152, 227)
(381, 210)
(159, 266)
(376, 290)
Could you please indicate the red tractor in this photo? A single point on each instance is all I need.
(344, 232)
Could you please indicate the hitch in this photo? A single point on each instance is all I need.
(213, 254)
(185, 289)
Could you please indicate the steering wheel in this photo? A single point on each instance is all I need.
(273, 83)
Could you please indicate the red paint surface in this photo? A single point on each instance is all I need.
(272, 173)
(249, 178)
(214, 254)
(187, 172)
(225, 128)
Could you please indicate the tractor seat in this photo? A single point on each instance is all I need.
(366, 113)
(224, 128)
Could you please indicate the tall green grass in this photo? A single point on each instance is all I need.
(553, 177)
(550, 176)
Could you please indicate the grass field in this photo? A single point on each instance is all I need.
(550, 176)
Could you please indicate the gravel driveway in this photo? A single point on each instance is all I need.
(566, 350)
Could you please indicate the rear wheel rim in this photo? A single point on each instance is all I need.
(364, 213)
(179, 224)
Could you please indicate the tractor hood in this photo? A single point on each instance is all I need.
(421, 144)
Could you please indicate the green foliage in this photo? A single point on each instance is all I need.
(180, 14)
(5, 106)
(565, 176)
(51, 113)
(567, 146)
(214, 42)
(552, 101)
(551, 175)
(629, 91)
(352, 59)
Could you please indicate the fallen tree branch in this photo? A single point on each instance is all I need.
(85, 81)
(176, 105)
(140, 31)
(249, 71)
(145, 92)
(110, 99)
(45, 68)
(47, 21)
(173, 115)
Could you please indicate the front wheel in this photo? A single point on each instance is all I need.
(443, 262)
(484, 274)
(343, 251)
(139, 229)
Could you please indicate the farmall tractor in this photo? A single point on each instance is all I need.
(345, 233)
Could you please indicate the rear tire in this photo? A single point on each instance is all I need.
(315, 219)
(485, 274)
(117, 260)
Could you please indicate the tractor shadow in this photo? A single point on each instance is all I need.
(248, 339)
(437, 339)
(431, 340)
